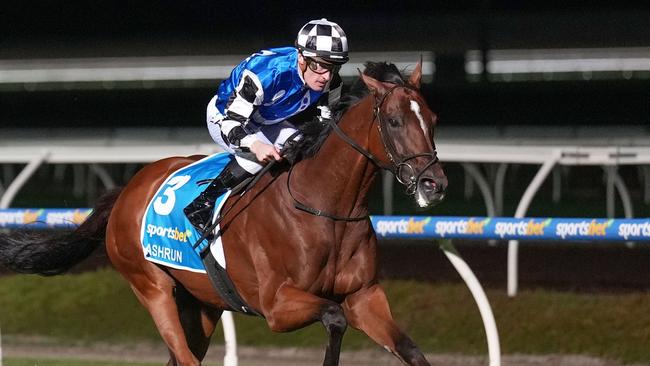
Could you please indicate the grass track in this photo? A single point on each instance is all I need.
(99, 306)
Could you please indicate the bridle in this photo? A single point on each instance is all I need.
(397, 165)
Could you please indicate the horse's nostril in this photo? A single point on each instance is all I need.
(429, 185)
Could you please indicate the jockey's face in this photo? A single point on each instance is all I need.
(316, 73)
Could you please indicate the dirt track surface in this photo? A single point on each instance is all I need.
(249, 356)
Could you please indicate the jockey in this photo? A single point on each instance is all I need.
(250, 110)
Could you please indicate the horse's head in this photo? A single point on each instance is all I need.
(406, 129)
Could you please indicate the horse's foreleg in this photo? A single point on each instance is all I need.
(368, 311)
(333, 318)
(292, 308)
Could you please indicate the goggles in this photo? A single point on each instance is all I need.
(320, 67)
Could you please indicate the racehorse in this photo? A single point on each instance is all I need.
(293, 266)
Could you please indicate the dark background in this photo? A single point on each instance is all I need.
(62, 29)
(68, 29)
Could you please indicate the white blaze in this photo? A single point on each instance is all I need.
(415, 107)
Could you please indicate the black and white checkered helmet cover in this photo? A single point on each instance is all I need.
(324, 39)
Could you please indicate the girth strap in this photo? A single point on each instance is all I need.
(218, 276)
(224, 286)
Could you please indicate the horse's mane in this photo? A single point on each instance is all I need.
(315, 132)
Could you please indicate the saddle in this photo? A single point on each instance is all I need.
(170, 240)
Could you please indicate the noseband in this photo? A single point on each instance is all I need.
(399, 165)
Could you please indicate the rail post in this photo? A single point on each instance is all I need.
(494, 348)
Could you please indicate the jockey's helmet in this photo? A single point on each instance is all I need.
(323, 39)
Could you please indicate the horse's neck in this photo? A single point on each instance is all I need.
(339, 173)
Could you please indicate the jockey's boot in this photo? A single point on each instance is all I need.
(199, 212)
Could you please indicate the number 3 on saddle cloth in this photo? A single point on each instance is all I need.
(167, 236)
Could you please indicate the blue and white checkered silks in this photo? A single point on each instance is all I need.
(167, 236)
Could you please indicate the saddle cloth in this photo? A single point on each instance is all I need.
(167, 236)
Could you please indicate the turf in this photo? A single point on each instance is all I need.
(440, 317)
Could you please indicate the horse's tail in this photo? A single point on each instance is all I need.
(47, 253)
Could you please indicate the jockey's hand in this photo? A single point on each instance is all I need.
(265, 152)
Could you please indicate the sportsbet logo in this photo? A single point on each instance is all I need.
(66, 217)
(454, 227)
(476, 227)
(167, 232)
(410, 226)
(627, 230)
(522, 228)
(19, 217)
(582, 228)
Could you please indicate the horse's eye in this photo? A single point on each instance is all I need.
(393, 122)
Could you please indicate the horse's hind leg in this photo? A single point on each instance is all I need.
(155, 290)
(198, 321)
(368, 311)
(291, 308)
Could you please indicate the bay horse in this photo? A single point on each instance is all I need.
(293, 266)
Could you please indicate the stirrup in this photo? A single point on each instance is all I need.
(193, 208)
(201, 218)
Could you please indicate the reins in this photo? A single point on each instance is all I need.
(391, 152)
(246, 187)
(301, 206)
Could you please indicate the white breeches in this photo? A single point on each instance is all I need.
(275, 134)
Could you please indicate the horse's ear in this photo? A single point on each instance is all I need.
(416, 75)
(375, 86)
